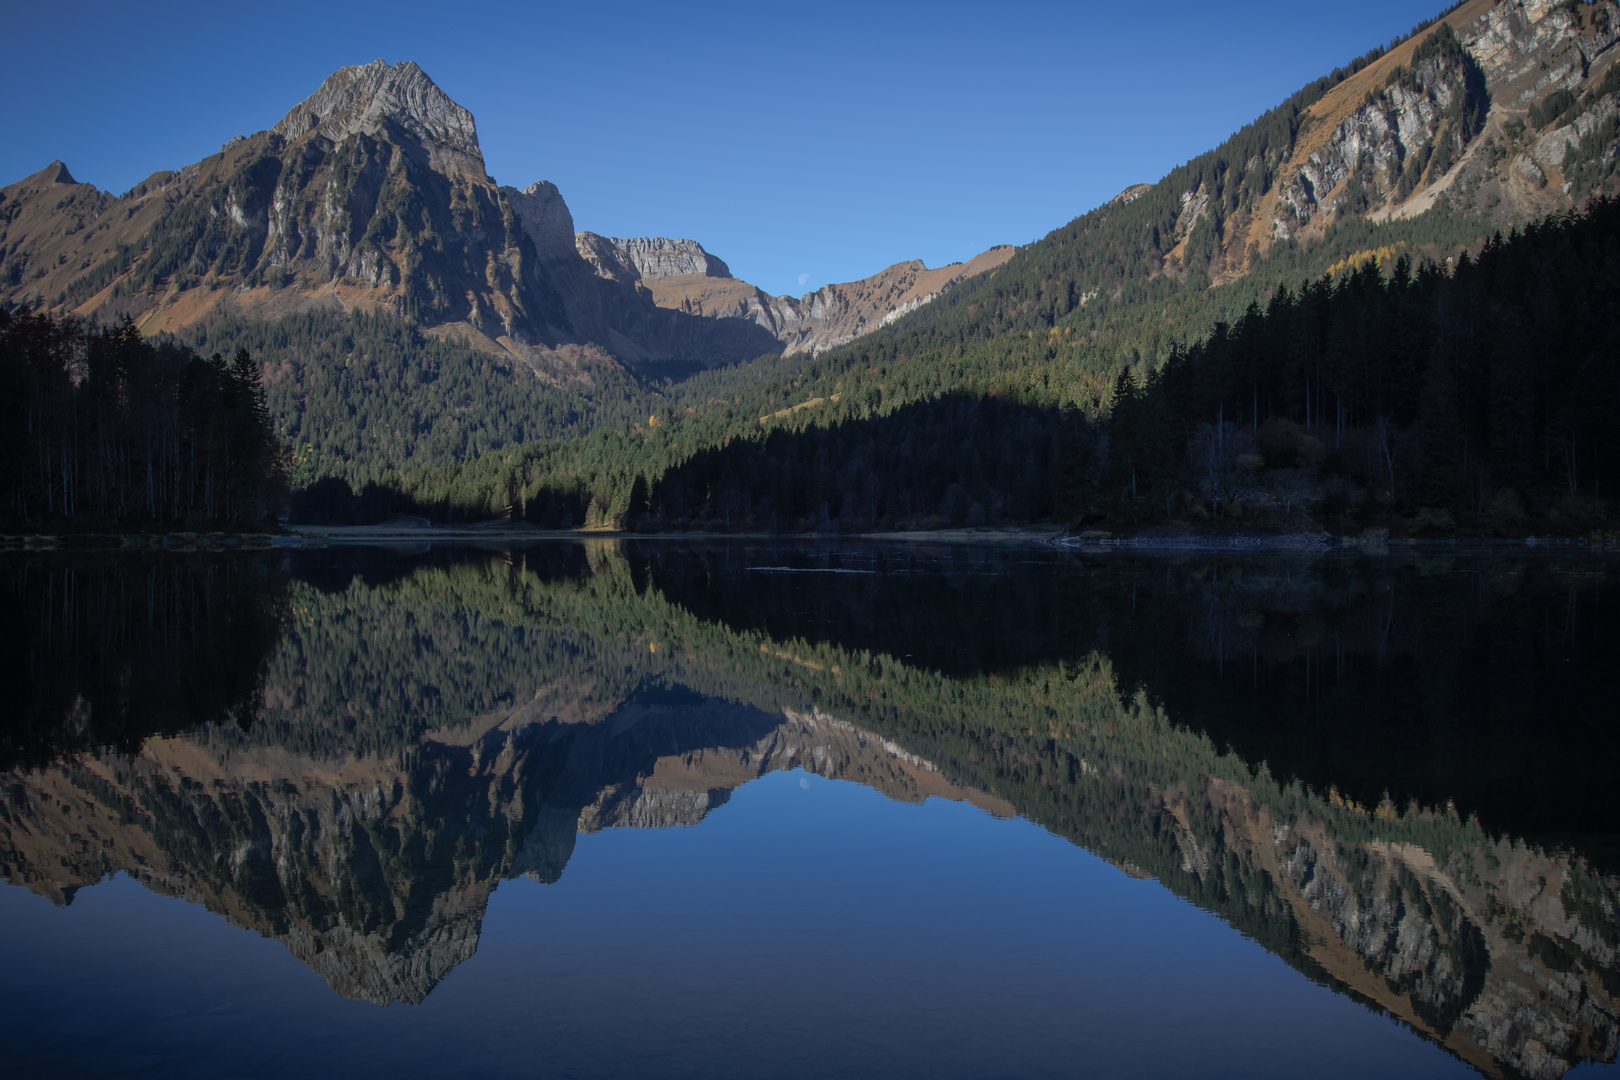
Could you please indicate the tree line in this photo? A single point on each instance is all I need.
(101, 428)
(1481, 395)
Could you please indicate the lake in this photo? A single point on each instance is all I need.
(665, 808)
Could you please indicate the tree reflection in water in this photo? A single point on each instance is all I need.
(1386, 771)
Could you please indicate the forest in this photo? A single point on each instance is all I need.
(101, 428)
(1478, 397)
(365, 395)
(1426, 396)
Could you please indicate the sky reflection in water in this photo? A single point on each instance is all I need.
(852, 896)
(795, 932)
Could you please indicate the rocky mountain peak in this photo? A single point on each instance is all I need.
(361, 99)
(54, 173)
(544, 216)
(250, 227)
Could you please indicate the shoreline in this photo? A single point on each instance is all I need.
(1090, 543)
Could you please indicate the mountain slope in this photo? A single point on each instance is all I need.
(372, 195)
(831, 316)
(409, 311)
(1431, 143)
(1422, 150)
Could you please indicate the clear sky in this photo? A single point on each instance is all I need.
(804, 144)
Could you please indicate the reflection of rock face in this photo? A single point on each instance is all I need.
(1489, 951)
(375, 868)
(375, 872)
(682, 789)
(345, 862)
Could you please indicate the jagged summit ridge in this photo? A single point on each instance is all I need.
(360, 99)
(54, 173)
(639, 257)
(661, 256)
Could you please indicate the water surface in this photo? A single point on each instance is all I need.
(787, 810)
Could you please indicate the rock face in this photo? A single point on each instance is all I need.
(831, 316)
(1502, 110)
(545, 220)
(363, 100)
(1419, 121)
(645, 257)
(372, 195)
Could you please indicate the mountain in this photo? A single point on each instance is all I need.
(372, 195)
(1492, 116)
(995, 403)
(679, 276)
(306, 251)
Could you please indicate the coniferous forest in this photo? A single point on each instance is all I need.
(1482, 395)
(105, 429)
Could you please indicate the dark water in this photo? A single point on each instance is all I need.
(755, 810)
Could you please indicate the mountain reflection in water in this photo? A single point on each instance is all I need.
(1391, 773)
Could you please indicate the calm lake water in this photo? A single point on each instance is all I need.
(657, 809)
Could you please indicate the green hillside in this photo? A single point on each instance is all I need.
(902, 431)
(366, 395)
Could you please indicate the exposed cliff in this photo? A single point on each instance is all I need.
(644, 257)
(365, 100)
(1505, 110)
(832, 315)
(372, 195)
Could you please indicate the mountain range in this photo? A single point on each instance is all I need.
(372, 194)
(413, 315)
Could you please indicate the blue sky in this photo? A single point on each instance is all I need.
(817, 141)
